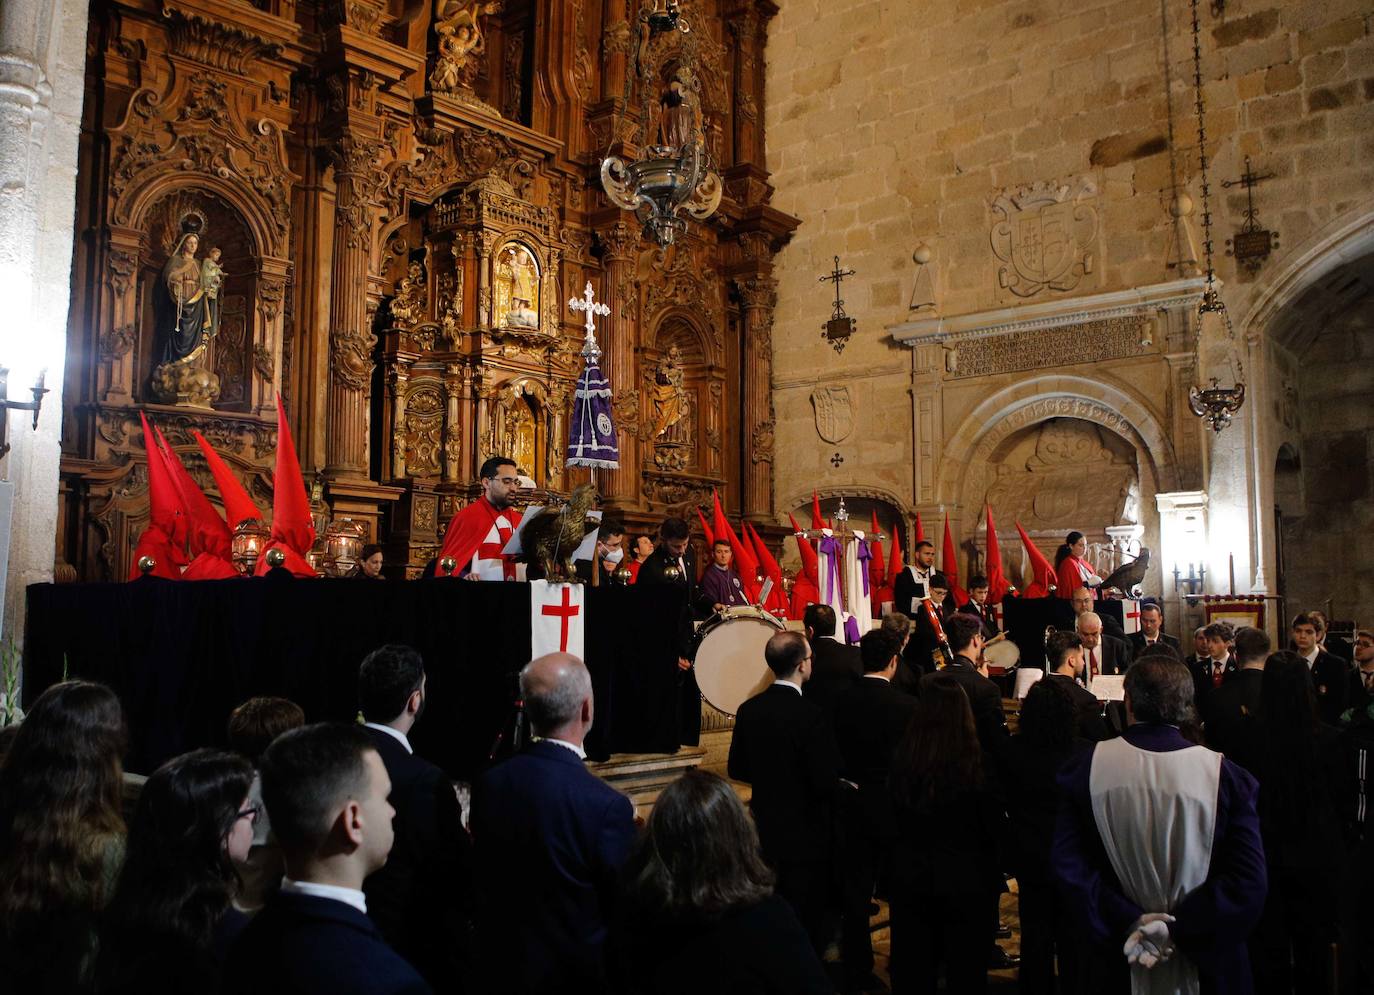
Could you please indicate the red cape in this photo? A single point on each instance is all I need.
(295, 563)
(468, 529)
(803, 593)
(208, 566)
(154, 542)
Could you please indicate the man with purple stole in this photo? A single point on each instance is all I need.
(1158, 842)
(720, 585)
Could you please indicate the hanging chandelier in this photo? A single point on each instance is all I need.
(1214, 404)
(672, 174)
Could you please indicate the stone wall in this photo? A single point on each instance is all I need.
(891, 125)
(1326, 526)
(42, 65)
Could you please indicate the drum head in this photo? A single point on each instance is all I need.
(1003, 655)
(729, 661)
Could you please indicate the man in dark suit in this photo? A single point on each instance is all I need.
(977, 605)
(783, 746)
(1082, 601)
(835, 667)
(1102, 653)
(1225, 709)
(1199, 654)
(1066, 665)
(869, 720)
(326, 790)
(966, 640)
(549, 838)
(1362, 676)
(913, 583)
(674, 563)
(1151, 631)
(421, 898)
(1218, 666)
(1330, 674)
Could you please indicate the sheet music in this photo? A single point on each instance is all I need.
(1109, 687)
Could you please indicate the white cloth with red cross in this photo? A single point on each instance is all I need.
(487, 562)
(558, 618)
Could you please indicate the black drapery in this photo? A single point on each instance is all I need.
(182, 655)
(1025, 621)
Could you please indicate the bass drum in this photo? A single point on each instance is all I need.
(1002, 656)
(728, 657)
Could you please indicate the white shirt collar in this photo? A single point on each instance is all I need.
(395, 734)
(879, 677)
(348, 896)
(789, 684)
(581, 753)
(1311, 658)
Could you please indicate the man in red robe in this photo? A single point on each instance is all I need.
(479, 532)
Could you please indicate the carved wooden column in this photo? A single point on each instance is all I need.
(758, 295)
(617, 339)
(396, 386)
(616, 39)
(746, 25)
(457, 384)
(485, 245)
(350, 339)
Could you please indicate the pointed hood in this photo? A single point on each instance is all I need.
(998, 585)
(154, 542)
(920, 531)
(706, 530)
(817, 520)
(1043, 584)
(207, 532)
(292, 525)
(810, 566)
(164, 502)
(895, 565)
(238, 506)
(745, 564)
(777, 600)
(949, 566)
(877, 572)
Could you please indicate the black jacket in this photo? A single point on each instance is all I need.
(783, 746)
(983, 696)
(1331, 677)
(1201, 669)
(985, 614)
(421, 898)
(952, 846)
(1114, 655)
(1138, 646)
(1029, 773)
(870, 720)
(300, 943)
(835, 668)
(1225, 710)
(653, 571)
(549, 839)
(1091, 726)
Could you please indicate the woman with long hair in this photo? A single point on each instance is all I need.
(946, 869)
(1304, 791)
(1071, 569)
(61, 835)
(699, 913)
(170, 920)
(1029, 763)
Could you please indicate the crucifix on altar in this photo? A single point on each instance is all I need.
(844, 555)
(592, 439)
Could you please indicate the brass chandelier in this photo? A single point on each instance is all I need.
(1214, 404)
(672, 174)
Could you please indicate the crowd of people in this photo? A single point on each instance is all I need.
(329, 857)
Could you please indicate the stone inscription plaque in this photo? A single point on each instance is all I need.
(1066, 345)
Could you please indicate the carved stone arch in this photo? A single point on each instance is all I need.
(1040, 398)
(802, 498)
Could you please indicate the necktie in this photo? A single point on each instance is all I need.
(1092, 663)
(1218, 670)
(1368, 676)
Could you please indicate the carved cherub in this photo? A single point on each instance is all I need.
(211, 274)
(458, 28)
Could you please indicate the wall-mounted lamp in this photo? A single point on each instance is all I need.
(1190, 586)
(35, 405)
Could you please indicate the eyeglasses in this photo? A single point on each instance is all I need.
(250, 813)
(508, 481)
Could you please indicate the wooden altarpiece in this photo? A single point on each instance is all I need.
(404, 195)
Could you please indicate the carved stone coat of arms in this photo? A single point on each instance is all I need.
(834, 413)
(1044, 236)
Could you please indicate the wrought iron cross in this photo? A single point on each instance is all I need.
(840, 326)
(1252, 244)
(836, 460)
(592, 307)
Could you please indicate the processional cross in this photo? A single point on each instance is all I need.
(592, 307)
(843, 535)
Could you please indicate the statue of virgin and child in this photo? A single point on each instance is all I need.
(188, 318)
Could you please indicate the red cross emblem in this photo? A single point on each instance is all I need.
(566, 612)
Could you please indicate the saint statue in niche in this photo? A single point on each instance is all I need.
(668, 396)
(187, 316)
(517, 289)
